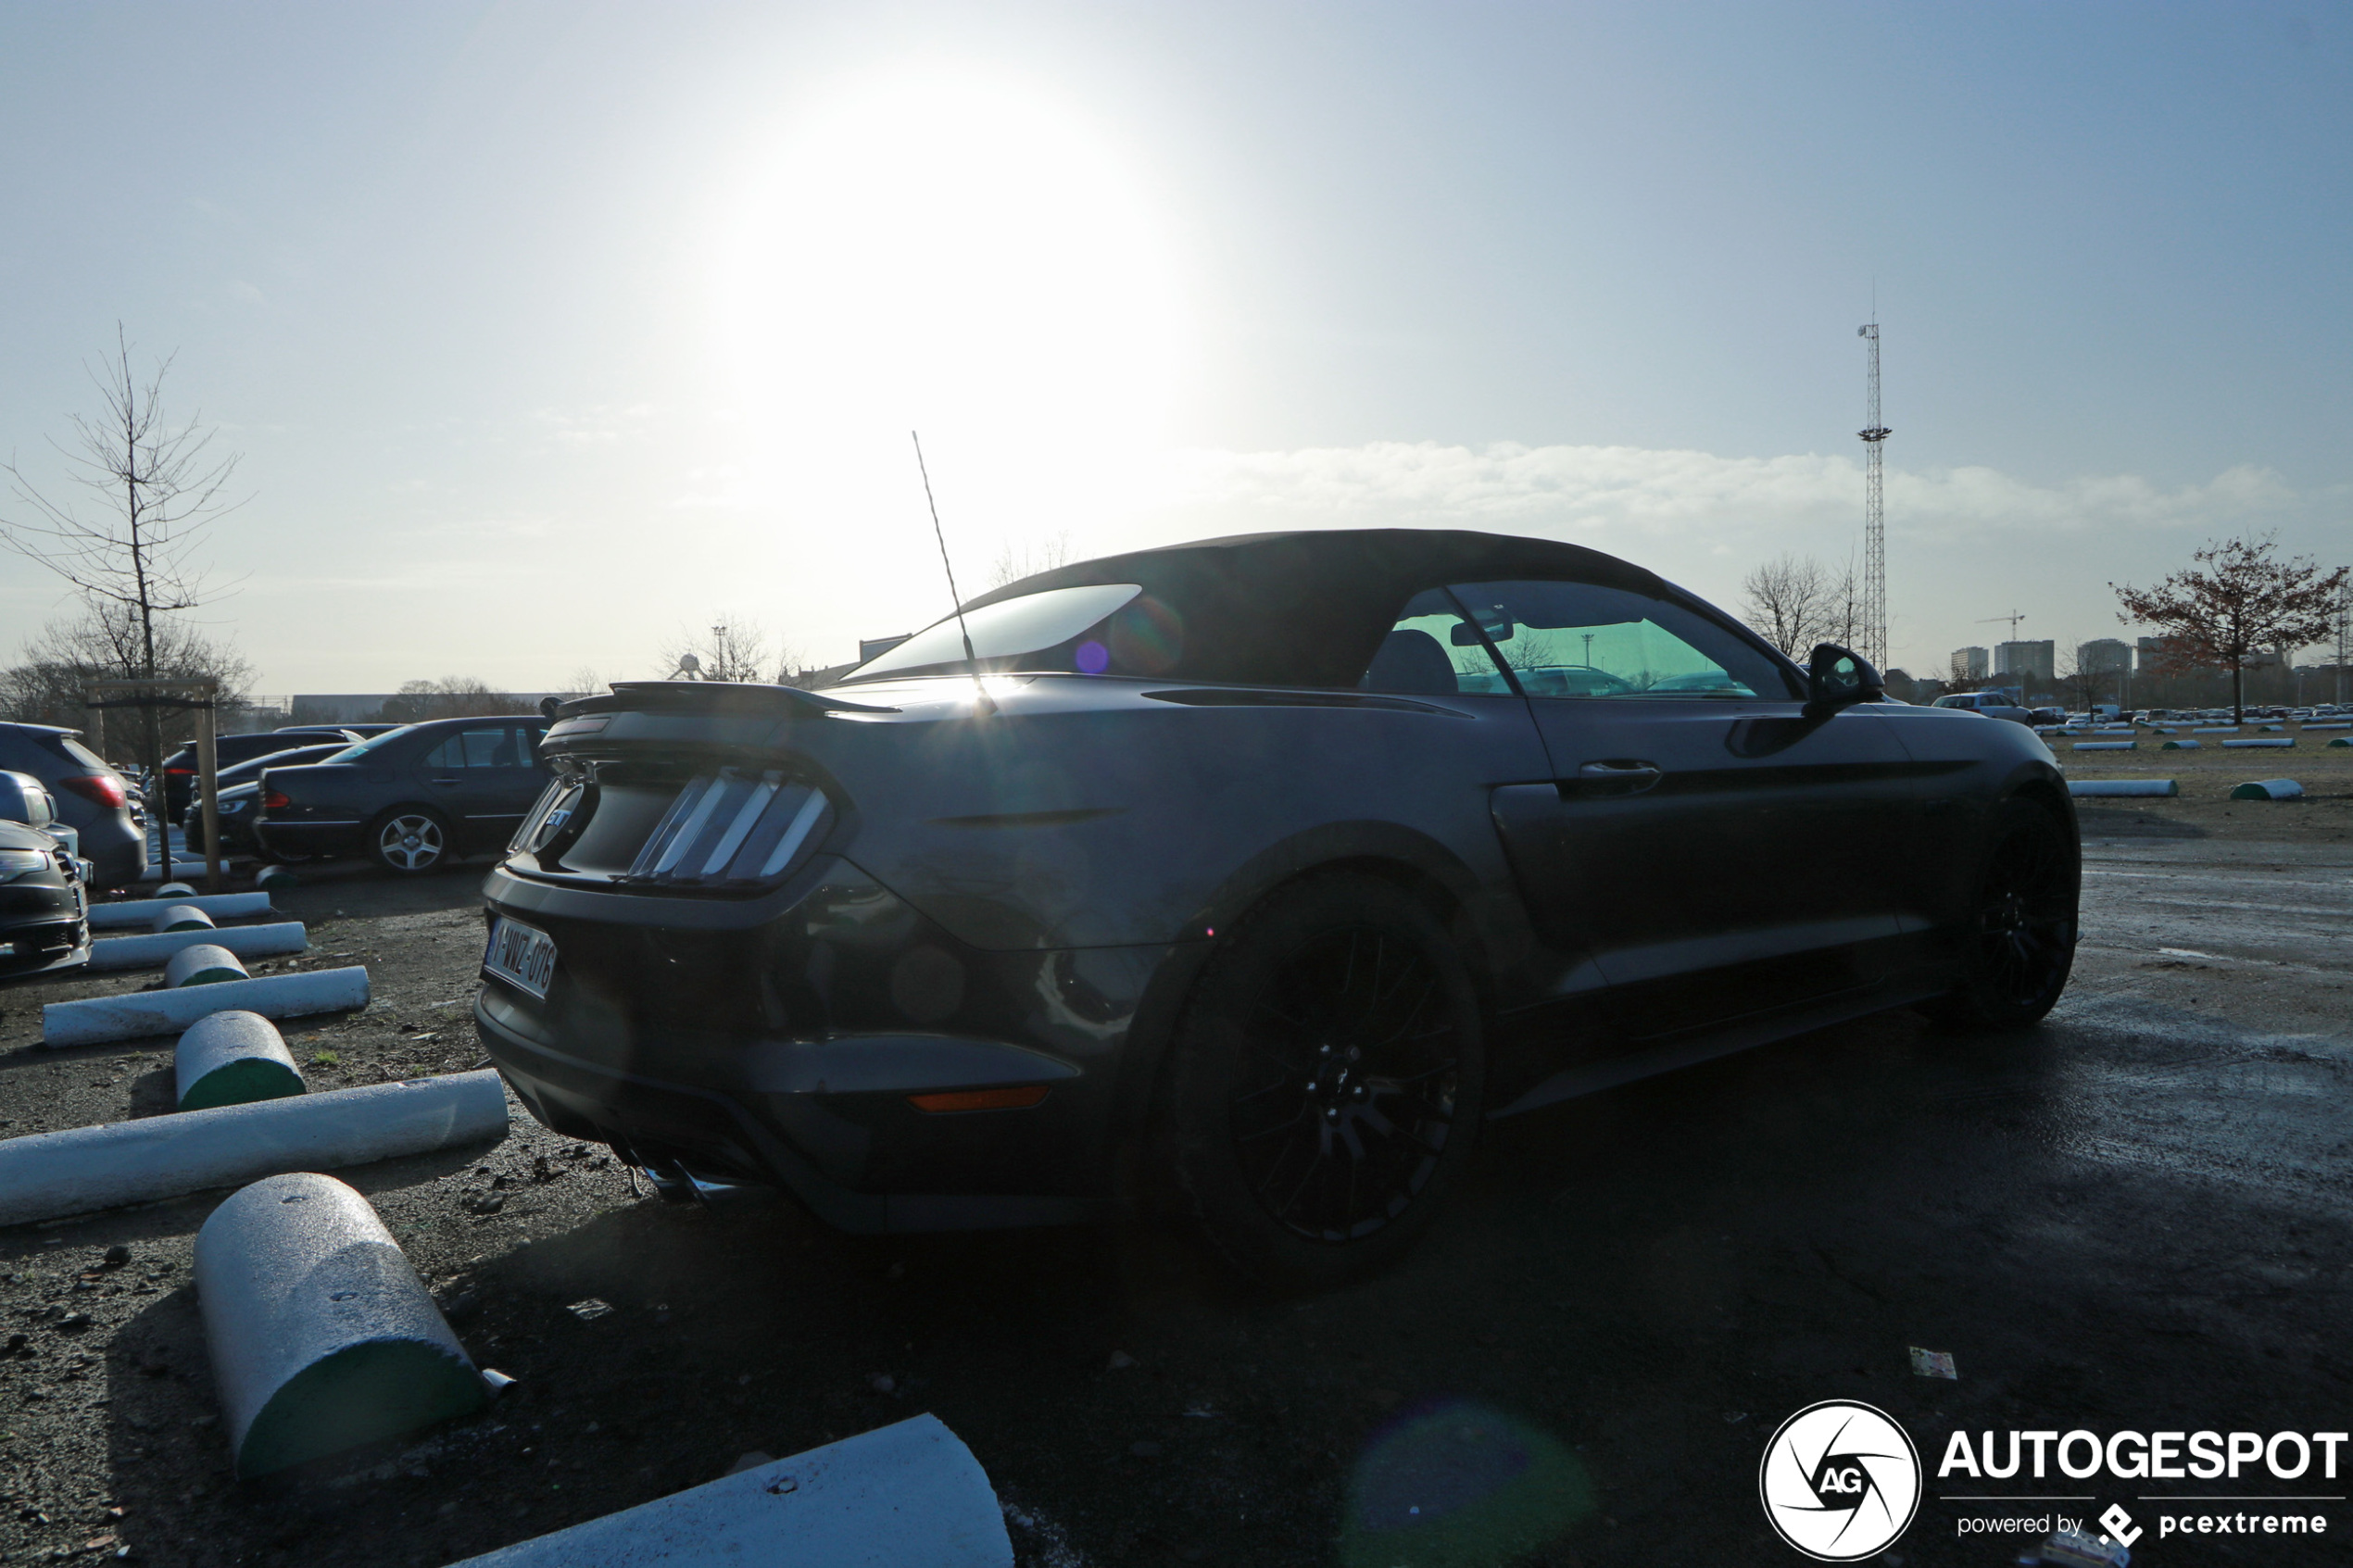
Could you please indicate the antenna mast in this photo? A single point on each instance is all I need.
(1874, 434)
(971, 660)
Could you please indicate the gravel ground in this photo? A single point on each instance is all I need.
(2136, 1216)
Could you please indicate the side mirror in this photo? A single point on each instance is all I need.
(1836, 677)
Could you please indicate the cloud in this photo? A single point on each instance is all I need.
(1680, 494)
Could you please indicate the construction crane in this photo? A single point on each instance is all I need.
(2014, 616)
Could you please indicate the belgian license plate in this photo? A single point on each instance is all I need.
(520, 955)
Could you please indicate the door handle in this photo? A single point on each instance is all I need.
(447, 783)
(1601, 779)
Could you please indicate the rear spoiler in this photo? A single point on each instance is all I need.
(744, 698)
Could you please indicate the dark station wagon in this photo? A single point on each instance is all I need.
(1252, 874)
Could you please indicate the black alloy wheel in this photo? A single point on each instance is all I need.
(2019, 948)
(1327, 1081)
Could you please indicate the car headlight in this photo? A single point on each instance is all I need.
(15, 863)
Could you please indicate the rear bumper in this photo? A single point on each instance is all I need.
(115, 847)
(824, 1149)
(779, 1040)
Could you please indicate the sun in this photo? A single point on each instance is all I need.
(940, 250)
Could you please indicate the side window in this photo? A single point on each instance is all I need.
(1581, 639)
(472, 749)
(1432, 651)
(489, 749)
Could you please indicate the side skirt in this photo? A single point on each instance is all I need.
(1592, 1077)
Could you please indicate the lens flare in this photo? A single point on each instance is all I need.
(1460, 1485)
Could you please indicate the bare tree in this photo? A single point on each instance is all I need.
(730, 649)
(1038, 555)
(2084, 682)
(452, 697)
(154, 491)
(107, 642)
(1841, 621)
(1785, 602)
(2240, 598)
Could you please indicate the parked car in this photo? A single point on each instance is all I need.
(43, 907)
(179, 767)
(1993, 704)
(1254, 869)
(364, 732)
(92, 799)
(240, 792)
(414, 798)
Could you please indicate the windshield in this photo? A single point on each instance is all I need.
(1036, 631)
(359, 753)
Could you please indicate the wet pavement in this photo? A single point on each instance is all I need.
(2136, 1217)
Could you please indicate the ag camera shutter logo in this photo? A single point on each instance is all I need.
(1839, 1481)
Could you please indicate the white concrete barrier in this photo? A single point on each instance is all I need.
(2217, 730)
(902, 1495)
(2181, 746)
(2269, 789)
(322, 1336)
(201, 963)
(2122, 787)
(233, 1059)
(83, 1170)
(179, 869)
(2261, 743)
(245, 941)
(99, 1019)
(143, 912)
(181, 917)
(274, 876)
(2107, 745)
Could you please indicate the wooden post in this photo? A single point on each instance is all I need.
(208, 779)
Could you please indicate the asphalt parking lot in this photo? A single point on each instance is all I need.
(2136, 1217)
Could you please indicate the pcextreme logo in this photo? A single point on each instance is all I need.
(1839, 1481)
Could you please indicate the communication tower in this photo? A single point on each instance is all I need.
(1874, 434)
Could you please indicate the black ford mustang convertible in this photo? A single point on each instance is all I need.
(1256, 873)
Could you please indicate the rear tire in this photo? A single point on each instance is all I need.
(2020, 946)
(1325, 1082)
(410, 841)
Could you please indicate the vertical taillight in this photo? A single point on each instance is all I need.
(734, 826)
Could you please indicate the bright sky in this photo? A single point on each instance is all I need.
(547, 331)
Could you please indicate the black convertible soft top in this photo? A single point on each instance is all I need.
(1310, 608)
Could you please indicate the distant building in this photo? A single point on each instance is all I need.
(1971, 664)
(2034, 660)
(2105, 655)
